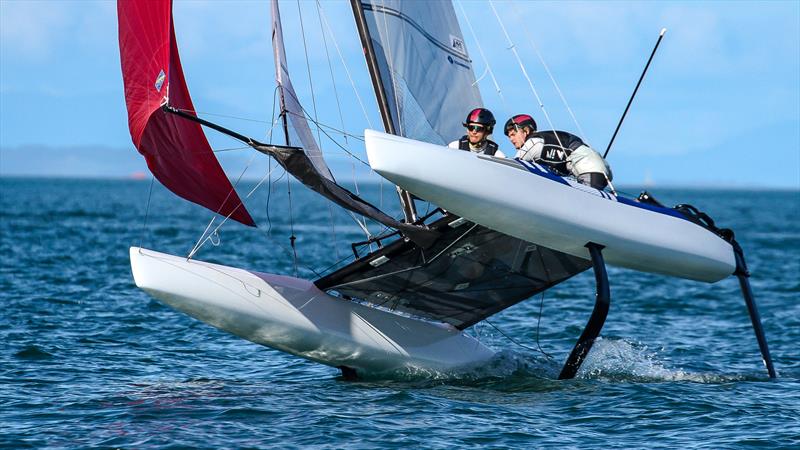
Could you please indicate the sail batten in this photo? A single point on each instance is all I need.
(176, 150)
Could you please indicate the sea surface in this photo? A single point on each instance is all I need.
(90, 361)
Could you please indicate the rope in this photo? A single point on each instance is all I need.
(308, 69)
(341, 58)
(483, 56)
(203, 238)
(271, 184)
(549, 356)
(147, 210)
(389, 61)
(547, 69)
(292, 237)
(306, 116)
(231, 191)
(513, 48)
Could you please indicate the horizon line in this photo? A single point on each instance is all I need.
(665, 185)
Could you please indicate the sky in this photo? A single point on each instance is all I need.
(719, 107)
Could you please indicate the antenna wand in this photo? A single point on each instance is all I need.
(661, 35)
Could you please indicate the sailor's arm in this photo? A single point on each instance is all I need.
(531, 150)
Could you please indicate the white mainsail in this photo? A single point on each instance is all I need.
(424, 66)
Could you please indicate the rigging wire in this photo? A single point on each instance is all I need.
(539, 350)
(390, 61)
(324, 20)
(147, 210)
(549, 74)
(358, 137)
(316, 117)
(308, 69)
(513, 49)
(229, 149)
(483, 56)
(270, 185)
(204, 237)
(344, 64)
(269, 160)
(306, 116)
(292, 237)
(339, 108)
(341, 122)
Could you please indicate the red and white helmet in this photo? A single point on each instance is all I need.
(519, 121)
(482, 116)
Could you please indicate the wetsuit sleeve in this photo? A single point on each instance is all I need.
(531, 150)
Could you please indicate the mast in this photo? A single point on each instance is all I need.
(409, 211)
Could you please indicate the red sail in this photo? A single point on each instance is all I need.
(176, 150)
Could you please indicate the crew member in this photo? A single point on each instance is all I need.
(563, 152)
(479, 124)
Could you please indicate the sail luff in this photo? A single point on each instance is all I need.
(423, 66)
(372, 66)
(291, 109)
(406, 201)
(176, 150)
(307, 163)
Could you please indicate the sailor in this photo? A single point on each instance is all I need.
(563, 152)
(479, 124)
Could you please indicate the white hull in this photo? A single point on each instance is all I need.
(292, 315)
(516, 199)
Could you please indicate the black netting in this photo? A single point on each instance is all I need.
(470, 273)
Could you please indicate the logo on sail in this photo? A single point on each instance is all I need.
(457, 45)
(160, 80)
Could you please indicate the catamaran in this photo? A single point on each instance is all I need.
(408, 303)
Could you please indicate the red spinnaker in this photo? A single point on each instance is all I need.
(176, 150)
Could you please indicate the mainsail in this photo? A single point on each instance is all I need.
(176, 150)
(425, 71)
(424, 84)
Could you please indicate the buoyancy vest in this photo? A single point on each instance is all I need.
(557, 147)
(489, 146)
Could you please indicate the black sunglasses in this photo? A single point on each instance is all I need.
(475, 127)
(514, 127)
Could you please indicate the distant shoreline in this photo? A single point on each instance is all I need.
(622, 187)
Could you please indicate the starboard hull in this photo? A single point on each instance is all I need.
(292, 315)
(524, 201)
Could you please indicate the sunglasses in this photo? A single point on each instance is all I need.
(475, 128)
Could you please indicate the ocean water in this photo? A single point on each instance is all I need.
(90, 361)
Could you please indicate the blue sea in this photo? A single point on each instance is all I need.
(90, 361)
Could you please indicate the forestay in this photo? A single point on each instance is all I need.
(424, 67)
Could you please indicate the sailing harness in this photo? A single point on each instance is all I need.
(488, 146)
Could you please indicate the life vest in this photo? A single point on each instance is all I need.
(557, 149)
(489, 146)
